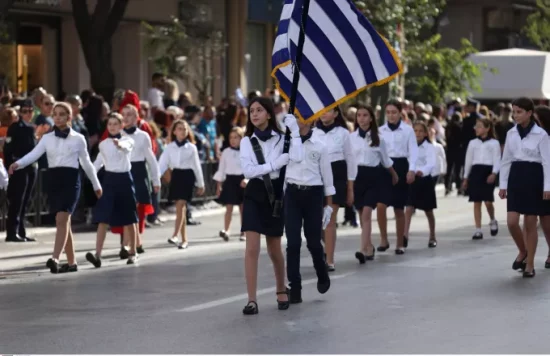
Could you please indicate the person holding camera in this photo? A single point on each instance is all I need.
(262, 156)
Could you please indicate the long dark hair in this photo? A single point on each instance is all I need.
(375, 137)
(396, 103)
(543, 114)
(339, 120)
(526, 104)
(488, 123)
(272, 124)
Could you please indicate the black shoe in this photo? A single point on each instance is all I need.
(432, 244)
(361, 257)
(224, 235)
(193, 222)
(286, 304)
(477, 236)
(529, 274)
(251, 308)
(53, 266)
(123, 254)
(383, 248)
(140, 249)
(66, 268)
(371, 257)
(547, 263)
(400, 251)
(29, 239)
(405, 241)
(96, 261)
(15, 239)
(519, 265)
(323, 284)
(295, 296)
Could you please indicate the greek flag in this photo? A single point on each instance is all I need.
(342, 55)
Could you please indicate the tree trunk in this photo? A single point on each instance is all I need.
(95, 32)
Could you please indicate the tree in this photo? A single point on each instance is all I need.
(186, 47)
(537, 27)
(433, 71)
(95, 32)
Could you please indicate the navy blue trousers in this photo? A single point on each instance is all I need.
(303, 208)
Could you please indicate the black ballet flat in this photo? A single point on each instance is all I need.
(405, 241)
(383, 248)
(251, 308)
(67, 268)
(432, 244)
(527, 274)
(96, 261)
(140, 249)
(400, 251)
(519, 265)
(286, 304)
(371, 257)
(547, 263)
(361, 257)
(53, 266)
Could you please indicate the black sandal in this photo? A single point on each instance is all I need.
(286, 304)
(251, 308)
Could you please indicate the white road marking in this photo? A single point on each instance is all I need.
(244, 296)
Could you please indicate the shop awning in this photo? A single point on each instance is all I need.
(521, 72)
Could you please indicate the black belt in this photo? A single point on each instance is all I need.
(304, 187)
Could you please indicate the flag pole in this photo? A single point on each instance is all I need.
(297, 64)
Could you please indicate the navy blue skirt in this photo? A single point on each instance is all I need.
(395, 195)
(340, 179)
(182, 185)
(63, 189)
(478, 188)
(258, 212)
(366, 186)
(422, 194)
(142, 183)
(232, 193)
(525, 188)
(117, 206)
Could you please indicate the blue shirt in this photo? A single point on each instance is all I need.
(208, 129)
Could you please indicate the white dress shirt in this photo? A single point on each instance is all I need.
(535, 147)
(155, 98)
(230, 164)
(427, 158)
(441, 161)
(143, 151)
(4, 177)
(401, 143)
(271, 149)
(63, 152)
(315, 169)
(482, 152)
(339, 147)
(184, 157)
(115, 159)
(367, 155)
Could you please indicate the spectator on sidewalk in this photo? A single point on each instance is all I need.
(20, 141)
(155, 95)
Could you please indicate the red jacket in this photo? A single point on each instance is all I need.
(132, 98)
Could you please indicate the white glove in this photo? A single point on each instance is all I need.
(292, 124)
(280, 162)
(327, 213)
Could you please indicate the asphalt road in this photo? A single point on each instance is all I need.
(461, 297)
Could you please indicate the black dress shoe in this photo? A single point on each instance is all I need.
(529, 274)
(323, 284)
(295, 296)
(29, 239)
(519, 264)
(193, 222)
(15, 239)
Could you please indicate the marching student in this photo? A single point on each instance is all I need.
(64, 149)
(307, 184)
(542, 114)
(440, 168)
(481, 168)
(332, 130)
(370, 154)
(525, 181)
(117, 206)
(402, 148)
(182, 157)
(262, 158)
(141, 156)
(422, 190)
(231, 182)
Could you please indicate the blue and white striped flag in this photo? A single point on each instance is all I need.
(342, 55)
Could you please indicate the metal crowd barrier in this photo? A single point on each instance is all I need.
(38, 204)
